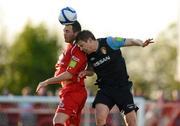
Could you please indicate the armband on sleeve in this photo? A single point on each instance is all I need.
(115, 43)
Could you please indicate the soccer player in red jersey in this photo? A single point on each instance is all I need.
(73, 94)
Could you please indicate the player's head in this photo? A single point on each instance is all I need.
(86, 41)
(71, 31)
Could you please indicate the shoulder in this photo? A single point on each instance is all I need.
(115, 42)
(102, 41)
(76, 51)
(106, 39)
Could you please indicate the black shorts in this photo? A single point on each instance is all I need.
(117, 95)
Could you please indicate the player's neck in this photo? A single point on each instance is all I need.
(96, 45)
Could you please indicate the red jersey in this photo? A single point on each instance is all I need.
(72, 60)
(73, 96)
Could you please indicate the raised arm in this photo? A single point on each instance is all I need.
(64, 76)
(118, 42)
(137, 42)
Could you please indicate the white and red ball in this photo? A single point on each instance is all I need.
(67, 16)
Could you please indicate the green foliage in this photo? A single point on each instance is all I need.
(3, 57)
(31, 58)
(154, 67)
(33, 54)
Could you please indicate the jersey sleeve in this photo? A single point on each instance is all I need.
(77, 63)
(115, 43)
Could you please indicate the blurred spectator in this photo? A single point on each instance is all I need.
(49, 93)
(160, 98)
(176, 95)
(5, 92)
(26, 115)
(26, 91)
(152, 115)
(57, 92)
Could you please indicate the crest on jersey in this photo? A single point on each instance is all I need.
(103, 50)
(72, 63)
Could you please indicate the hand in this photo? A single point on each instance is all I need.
(147, 42)
(40, 85)
(82, 74)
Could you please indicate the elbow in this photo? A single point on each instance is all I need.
(70, 76)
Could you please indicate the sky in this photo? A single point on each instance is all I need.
(125, 18)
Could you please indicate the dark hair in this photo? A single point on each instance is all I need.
(76, 26)
(84, 36)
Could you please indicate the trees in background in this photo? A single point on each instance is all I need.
(154, 68)
(30, 59)
(33, 54)
(3, 62)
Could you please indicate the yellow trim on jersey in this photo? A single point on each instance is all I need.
(72, 63)
(119, 39)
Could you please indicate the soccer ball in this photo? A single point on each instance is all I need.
(67, 16)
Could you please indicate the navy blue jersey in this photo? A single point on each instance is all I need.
(108, 63)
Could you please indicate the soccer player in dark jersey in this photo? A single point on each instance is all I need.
(73, 93)
(105, 59)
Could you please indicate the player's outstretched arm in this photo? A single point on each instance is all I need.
(64, 76)
(138, 42)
